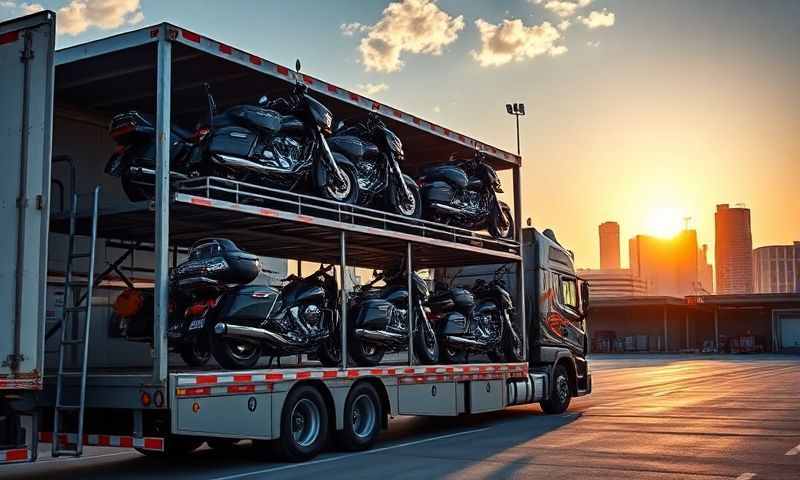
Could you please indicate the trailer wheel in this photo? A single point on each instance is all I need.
(304, 424)
(560, 394)
(362, 418)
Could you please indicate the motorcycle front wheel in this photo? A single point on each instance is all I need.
(411, 207)
(501, 223)
(426, 346)
(513, 347)
(347, 191)
(234, 354)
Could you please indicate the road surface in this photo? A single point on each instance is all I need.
(651, 417)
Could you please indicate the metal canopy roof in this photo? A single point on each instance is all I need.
(107, 76)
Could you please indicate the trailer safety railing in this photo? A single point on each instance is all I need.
(300, 204)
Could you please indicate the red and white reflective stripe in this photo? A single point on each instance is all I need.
(15, 455)
(9, 37)
(203, 383)
(100, 440)
(34, 383)
(223, 390)
(330, 89)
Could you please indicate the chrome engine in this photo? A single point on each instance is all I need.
(284, 154)
(470, 202)
(398, 320)
(368, 174)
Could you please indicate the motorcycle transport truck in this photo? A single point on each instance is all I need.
(71, 376)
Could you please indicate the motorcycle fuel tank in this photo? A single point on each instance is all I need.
(447, 173)
(463, 298)
(396, 294)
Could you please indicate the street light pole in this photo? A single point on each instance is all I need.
(516, 109)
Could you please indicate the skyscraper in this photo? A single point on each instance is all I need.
(776, 269)
(733, 250)
(705, 272)
(609, 245)
(668, 266)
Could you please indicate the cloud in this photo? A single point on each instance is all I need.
(512, 40)
(349, 29)
(372, 88)
(6, 4)
(593, 44)
(29, 8)
(564, 8)
(564, 24)
(79, 15)
(599, 19)
(415, 26)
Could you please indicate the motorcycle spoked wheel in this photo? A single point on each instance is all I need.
(426, 345)
(196, 352)
(496, 229)
(234, 354)
(348, 191)
(411, 208)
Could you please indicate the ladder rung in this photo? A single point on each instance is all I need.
(68, 407)
(80, 255)
(72, 341)
(82, 308)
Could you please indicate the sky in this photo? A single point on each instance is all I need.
(641, 112)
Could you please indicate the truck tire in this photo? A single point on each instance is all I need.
(362, 418)
(560, 394)
(304, 425)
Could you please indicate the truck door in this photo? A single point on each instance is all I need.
(572, 324)
(26, 102)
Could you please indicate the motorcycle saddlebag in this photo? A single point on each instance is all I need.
(236, 141)
(439, 192)
(374, 314)
(216, 262)
(247, 305)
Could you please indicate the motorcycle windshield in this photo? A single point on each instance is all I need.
(320, 113)
(394, 143)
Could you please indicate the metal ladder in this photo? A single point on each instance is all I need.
(72, 323)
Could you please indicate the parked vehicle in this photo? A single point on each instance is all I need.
(244, 321)
(380, 319)
(134, 159)
(476, 320)
(463, 193)
(377, 153)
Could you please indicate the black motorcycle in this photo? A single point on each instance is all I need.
(280, 144)
(380, 319)
(377, 153)
(244, 322)
(476, 321)
(463, 193)
(134, 159)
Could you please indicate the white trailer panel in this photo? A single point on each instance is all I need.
(26, 99)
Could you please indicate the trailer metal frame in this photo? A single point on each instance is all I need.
(310, 228)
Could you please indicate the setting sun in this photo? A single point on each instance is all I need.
(663, 222)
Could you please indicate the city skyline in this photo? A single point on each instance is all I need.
(641, 112)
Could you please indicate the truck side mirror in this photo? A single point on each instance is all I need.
(585, 297)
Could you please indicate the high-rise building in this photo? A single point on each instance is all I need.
(612, 282)
(733, 250)
(705, 272)
(668, 266)
(609, 245)
(776, 269)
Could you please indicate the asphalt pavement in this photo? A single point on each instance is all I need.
(650, 417)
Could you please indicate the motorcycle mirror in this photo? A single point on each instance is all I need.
(297, 65)
(339, 125)
(263, 100)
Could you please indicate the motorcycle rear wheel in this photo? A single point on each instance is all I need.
(195, 353)
(330, 353)
(365, 354)
(426, 345)
(234, 354)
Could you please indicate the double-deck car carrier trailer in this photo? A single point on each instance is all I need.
(67, 379)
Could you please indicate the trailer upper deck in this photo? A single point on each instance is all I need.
(95, 78)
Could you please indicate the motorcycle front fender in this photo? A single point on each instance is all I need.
(323, 168)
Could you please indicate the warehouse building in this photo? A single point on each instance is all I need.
(739, 323)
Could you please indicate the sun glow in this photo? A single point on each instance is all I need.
(663, 222)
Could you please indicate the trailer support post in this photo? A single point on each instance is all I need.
(520, 293)
(343, 293)
(688, 346)
(409, 271)
(666, 331)
(163, 90)
(716, 329)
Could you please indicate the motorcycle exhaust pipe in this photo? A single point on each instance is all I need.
(446, 208)
(251, 333)
(379, 335)
(151, 172)
(463, 342)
